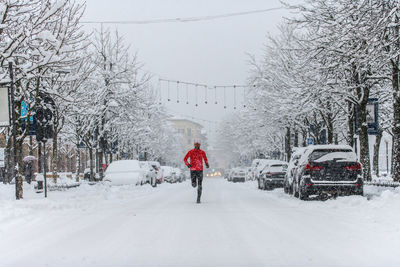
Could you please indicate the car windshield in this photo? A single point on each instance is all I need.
(320, 155)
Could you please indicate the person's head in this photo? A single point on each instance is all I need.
(197, 144)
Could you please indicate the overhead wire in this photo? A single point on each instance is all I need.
(184, 19)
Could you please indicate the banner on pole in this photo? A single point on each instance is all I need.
(4, 107)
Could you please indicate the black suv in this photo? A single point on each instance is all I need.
(328, 169)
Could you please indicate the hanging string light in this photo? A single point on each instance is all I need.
(224, 97)
(177, 92)
(187, 94)
(169, 99)
(196, 95)
(205, 94)
(234, 97)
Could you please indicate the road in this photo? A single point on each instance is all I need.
(235, 225)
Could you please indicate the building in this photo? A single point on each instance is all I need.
(189, 130)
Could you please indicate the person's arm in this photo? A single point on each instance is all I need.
(205, 159)
(186, 160)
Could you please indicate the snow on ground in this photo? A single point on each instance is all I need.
(236, 225)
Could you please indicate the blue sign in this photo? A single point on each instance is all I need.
(310, 141)
(24, 115)
(372, 116)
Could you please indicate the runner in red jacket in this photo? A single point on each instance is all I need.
(196, 156)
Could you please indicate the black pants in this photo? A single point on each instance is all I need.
(197, 180)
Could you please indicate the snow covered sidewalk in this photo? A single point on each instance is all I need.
(236, 225)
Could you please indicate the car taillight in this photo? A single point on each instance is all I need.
(356, 167)
(268, 174)
(310, 167)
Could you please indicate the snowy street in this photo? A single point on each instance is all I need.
(236, 225)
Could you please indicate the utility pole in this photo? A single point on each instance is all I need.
(18, 194)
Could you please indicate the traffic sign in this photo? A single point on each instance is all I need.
(310, 141)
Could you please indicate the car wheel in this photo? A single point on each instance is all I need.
(295, 188)
(302, 195)
(262, 185)
(259, 184)
(285, 188)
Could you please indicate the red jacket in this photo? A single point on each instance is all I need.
(196, 159)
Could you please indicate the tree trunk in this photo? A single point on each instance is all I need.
(377, 145)
(363, 136)
(396, 126)
(350, 124)
(92, 164)
(78, 163)
(287, 147)
(54, 162)
(296, 138)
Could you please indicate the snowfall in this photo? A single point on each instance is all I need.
(235, 225)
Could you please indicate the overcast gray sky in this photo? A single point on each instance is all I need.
(209, 52)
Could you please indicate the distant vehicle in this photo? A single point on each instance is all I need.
(273, 174)
(169, 174)
(238, 175)
(328, 169)
(293, 163)
(150, 173)
(125, 172)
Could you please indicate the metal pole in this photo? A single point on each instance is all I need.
(44, 168)
(14, 129)
(387, 157)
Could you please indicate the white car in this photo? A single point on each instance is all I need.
(150, 173)
(169, 174)
(159, 173)
(125, 172)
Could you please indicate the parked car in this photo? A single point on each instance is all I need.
(150, 173)
(169, 174)
(180, 177)
(159, 173)
(328, 169)
(238, 175)
(293, 163)
(261, 163)
(124, 172)
(273, 174)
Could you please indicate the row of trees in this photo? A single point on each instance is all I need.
(102, 99)
(317, 76)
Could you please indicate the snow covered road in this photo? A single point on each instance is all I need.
(236, 225)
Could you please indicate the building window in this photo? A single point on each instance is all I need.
(181, 131)
(189, 132)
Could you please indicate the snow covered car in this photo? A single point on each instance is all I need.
(150, 173)
(124, 172)
(328, 169)
(169, 174)
(159, 173)
(260, 165)
(273, 174)
(293, 163)
(180, 177)
(238, 175)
